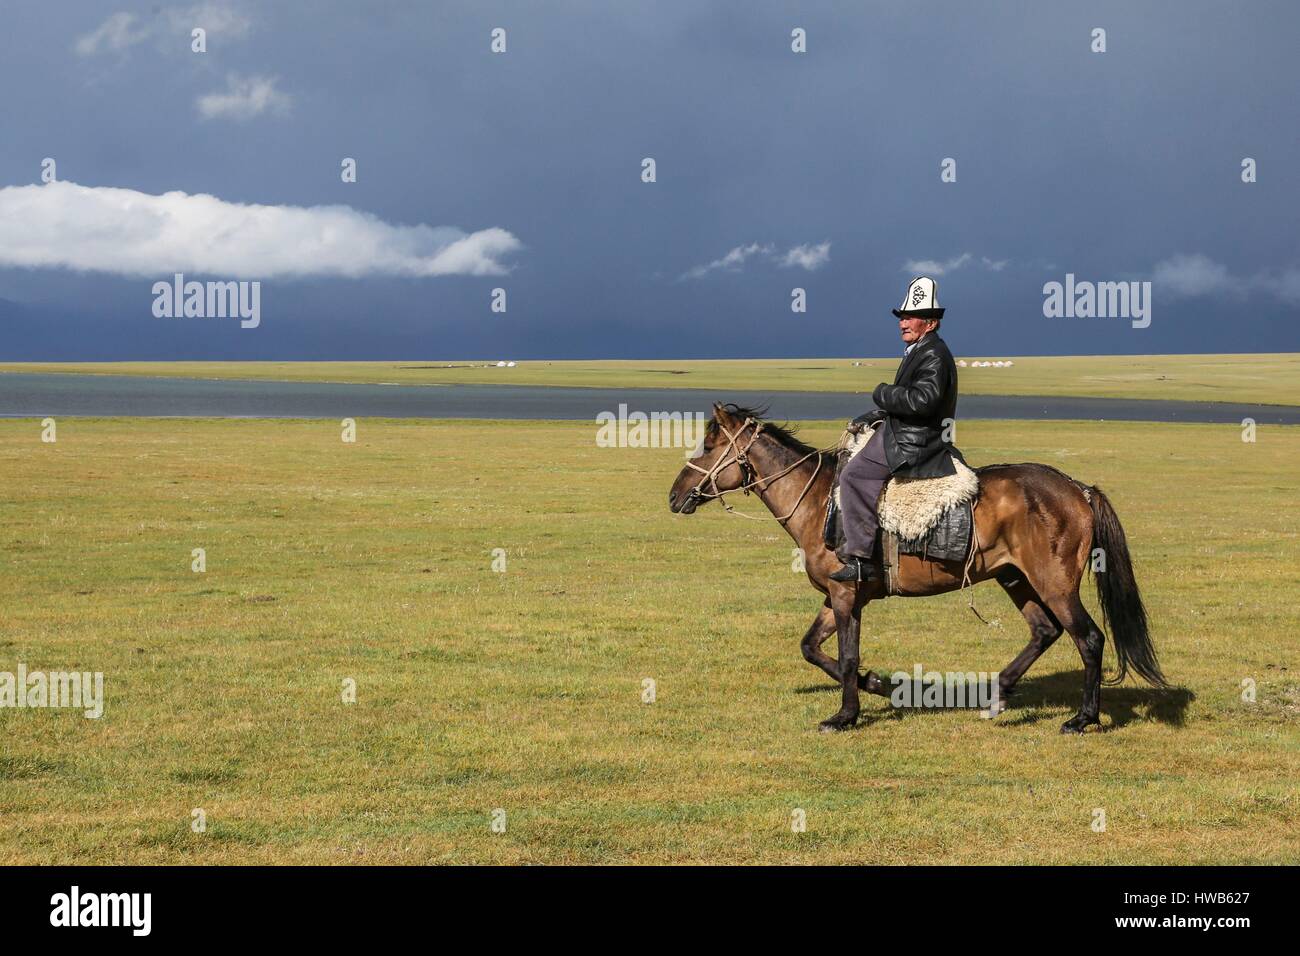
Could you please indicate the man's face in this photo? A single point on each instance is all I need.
(911, 328)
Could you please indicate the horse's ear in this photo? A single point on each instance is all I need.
(719, 413)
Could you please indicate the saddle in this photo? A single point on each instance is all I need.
(929, 517)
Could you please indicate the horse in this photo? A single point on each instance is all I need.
(1034, 531)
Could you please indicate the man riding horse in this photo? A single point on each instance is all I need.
(1034, 529)
(917, 412)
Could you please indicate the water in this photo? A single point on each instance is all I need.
(24, 395)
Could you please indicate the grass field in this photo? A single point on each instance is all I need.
(1272, 379)
(522, 690)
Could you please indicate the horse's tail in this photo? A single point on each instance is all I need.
(1117, 591)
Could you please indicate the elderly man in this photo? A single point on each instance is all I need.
(910, 442)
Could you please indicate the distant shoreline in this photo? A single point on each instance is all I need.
(127, 396)
(1253, 378)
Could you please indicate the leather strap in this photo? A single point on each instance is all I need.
(889, 551)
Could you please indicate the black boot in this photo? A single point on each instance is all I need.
(855, 569)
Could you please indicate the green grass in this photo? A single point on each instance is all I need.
(521, 690)
(1269, 379)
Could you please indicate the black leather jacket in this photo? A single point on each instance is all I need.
(924, 393)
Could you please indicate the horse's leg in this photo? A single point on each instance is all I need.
(822, 627)
(1090, 641)
(1044, 629)
(847, 621)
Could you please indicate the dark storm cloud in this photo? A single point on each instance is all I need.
(1114, 166)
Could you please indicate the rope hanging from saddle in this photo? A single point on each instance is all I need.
(970, 561)
(740, 457)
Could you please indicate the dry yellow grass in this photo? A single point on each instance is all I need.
(521, 690)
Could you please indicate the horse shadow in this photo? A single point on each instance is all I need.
(1036, 699)
(1123, 704)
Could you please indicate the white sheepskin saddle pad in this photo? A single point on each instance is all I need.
(910, 507)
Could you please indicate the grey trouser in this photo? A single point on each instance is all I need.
(860, 484)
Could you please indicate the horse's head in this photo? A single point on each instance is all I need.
(721, 465)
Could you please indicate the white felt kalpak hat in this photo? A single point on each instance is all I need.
(921, 301)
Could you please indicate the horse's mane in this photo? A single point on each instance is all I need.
(785, 434)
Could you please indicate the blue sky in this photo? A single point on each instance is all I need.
(522, 170)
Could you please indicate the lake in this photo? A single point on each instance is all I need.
(24, 395)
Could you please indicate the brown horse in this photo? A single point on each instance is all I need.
(1035, 529)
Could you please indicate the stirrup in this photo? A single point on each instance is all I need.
(863, 570)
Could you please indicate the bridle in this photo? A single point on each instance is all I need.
(749, 474)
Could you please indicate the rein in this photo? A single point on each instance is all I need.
(741, 458)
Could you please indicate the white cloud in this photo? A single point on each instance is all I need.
(245, 97)
(1285, 286)
(121, 231)
(1195, 275)
(1190, 275)
(807, 256)
(115, 34)
(121, 31)
(933, 267)
(218, 19)
(733, 261)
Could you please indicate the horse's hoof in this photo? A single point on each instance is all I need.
(834, 725)
(1077, 725)
(872, 684)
